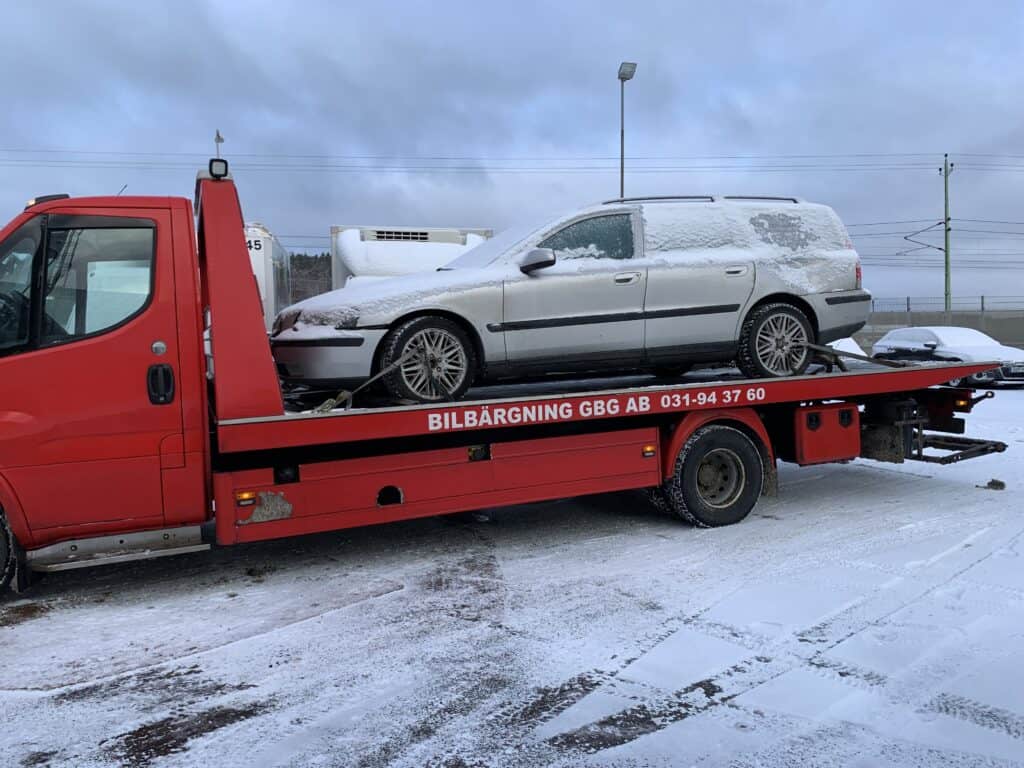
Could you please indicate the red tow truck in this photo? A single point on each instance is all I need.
(141, 413)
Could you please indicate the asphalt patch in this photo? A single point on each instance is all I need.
(138, 748)
(12, 615)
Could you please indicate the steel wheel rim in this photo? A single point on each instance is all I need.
(720, 478)
(781, 344)
(438, 365)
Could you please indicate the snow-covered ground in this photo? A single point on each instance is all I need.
(871, 615)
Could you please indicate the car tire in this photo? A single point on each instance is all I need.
(717, 477)
(971, 381)
(446, 373)
(773, 342)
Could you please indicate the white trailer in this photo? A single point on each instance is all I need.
(271, 264)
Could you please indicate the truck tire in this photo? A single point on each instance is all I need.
(8, 560)
(717, 478)
(443, 365)
(773, 342)
(656, 496)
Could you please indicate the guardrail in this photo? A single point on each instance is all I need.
(938, 303)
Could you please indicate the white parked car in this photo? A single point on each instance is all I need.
(953, 344)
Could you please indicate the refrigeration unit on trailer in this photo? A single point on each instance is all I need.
(372, 253)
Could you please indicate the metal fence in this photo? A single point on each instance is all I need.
(938, 304)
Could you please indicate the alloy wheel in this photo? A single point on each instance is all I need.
(781, 344)
(438, 365)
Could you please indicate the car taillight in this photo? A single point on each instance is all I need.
(858, 274)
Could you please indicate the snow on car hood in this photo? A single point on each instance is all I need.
(983, 353)
(387, 298)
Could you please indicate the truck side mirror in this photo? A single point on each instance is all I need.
(538, 258)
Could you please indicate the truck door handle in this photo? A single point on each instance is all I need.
(735, 271)
(626, 278)
(160, 383)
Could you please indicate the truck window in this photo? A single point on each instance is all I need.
(15, 283)
(607, 237)
(95, 279)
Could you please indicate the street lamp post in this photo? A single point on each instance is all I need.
(626, 71)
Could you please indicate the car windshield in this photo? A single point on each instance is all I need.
(964, 337)
(491, 250)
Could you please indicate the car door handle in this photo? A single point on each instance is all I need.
(735, 271)
(160, 383)
(626, 278)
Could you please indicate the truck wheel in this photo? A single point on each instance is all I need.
(439, 365)
(659, 500)
(773, 342)
(717, 477)
(8, 560)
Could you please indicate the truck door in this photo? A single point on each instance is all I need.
(88, 369)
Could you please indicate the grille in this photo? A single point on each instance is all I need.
(391, 234)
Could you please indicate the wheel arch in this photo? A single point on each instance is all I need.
(744, 420)
(786, 298)
(13, 514)
(462, 322)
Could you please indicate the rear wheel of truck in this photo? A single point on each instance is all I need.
(433, 360)
(717, 477)
(773, 342)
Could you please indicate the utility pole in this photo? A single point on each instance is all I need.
(217, 141)
(945, 170)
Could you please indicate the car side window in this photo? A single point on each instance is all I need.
(95, 279)
(16, 255)
(602, 237)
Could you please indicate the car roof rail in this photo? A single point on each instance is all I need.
(766, 198)
(662, 198)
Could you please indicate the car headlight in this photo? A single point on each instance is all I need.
(340, 319)
(347, 323)
(284, 321)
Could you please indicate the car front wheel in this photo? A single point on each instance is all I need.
(773, 342)
(431, 359)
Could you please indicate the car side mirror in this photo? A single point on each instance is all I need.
(931, 344)
(538, 258)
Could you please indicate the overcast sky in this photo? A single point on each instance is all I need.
(480, 113)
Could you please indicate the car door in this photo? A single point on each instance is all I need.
(88, 364)
(694, 303)
(586, 309)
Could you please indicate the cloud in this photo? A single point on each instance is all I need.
(413, 83)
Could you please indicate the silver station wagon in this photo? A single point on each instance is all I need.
(654, 284)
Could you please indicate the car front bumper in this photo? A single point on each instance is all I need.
(347, 357)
